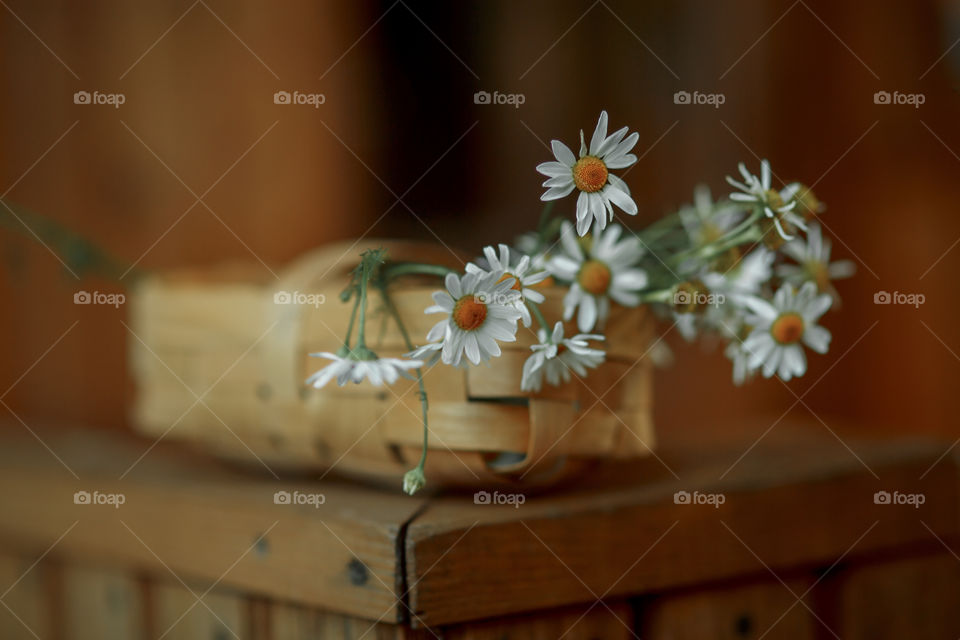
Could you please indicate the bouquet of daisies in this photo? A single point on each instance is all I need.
(752, 270)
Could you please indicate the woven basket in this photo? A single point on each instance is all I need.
(222, 337)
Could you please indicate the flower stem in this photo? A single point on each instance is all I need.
(398, 269)
(362, 303)
(538, 315)
(424, 405)
(353, 316)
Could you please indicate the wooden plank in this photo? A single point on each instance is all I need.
(198, 519)
(289, 622)
(610, 621)
(634, 538)
(766, 609)
(178, 615)
(102, 604)
(27, 612)
(916, 598)
(617, 532)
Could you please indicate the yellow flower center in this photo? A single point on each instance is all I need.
(594, 277)
(808, 204)
(469, 313)
(787, 329)
(516, 282)
(820, 274)
(774, 201)
(590, 174)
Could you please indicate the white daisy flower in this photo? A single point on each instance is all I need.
(524, 274)
(481, 309)
(705, 221)
(529, 244)
(605, 271)
(813, 258)
(780, 327)
(590, 174)
(775, 205)
(429, 353)
(555, 357)
(347, 369)
(746, 278)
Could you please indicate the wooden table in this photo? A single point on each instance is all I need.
(787, 541)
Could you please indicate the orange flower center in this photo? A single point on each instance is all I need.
(590, 174)
(594, 277)
(787, 329)
(469, 313)
(516, 281)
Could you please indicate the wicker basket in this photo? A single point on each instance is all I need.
(221, 336)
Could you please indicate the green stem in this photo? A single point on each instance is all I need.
(362, 332)
(424, 405)
(398, 269)
(353, 316)
(661, 295)
(744, 232)
(538, 315)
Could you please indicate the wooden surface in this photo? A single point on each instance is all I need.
(189, 517)
(792, 508)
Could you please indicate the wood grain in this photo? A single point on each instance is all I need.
(766, 609)
(635, 539)
(206, 523)
(917, 598)
(795, 506)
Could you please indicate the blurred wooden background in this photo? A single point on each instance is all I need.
(399, 120)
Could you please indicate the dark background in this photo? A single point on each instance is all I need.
(400, 121)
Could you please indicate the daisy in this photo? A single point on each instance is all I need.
(351, 368)
(481, 309)
(590, 174)
(780, 327)
(808, 205)
(603, 272)
(813, 258)
(706, 222)
(745, 278)
(757, 191)
(555, 357)
(523, 273)
(529, 244)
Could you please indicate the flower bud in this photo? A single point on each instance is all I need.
(414, 480)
